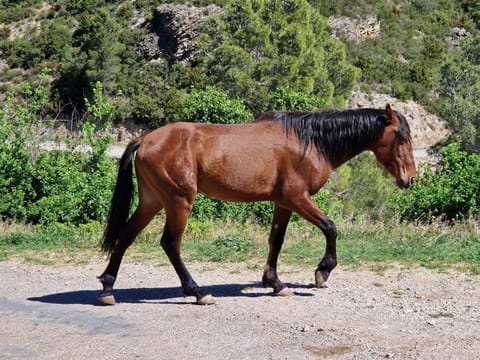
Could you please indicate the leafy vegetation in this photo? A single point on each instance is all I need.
(460, 90)
(64, 185)
(257, 47)
(452, 192)
(254, 52)
(213, 106)
(260, 55)
(264, 44)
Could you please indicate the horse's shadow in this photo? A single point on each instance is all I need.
(161, 295)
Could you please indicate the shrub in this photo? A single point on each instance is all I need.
(21, 53)
(285, 99)
(357, 189)
(460, 90)
(206, 208)
(57, 186)
(452, 192)
(16, 149)
(213, 106)
(71, 187)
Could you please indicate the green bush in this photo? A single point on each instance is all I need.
(406, 58)
(58, 186)
(206, 208)
(70, 187)
(213, 106)
(358, 189)
(11, 11)
(369, 188)
(21, 53)
(451, 192)
(285, 99)
(460, 90)
(16, 153)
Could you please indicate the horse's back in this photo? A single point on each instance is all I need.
(222, 161)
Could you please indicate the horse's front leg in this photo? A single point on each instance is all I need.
(307, 209)
(281, 217)
(329, 261)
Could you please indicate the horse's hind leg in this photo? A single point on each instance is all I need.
(281, 217)
(139, 220)
(171, 243)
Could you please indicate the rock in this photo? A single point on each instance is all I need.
(355, 29)
(457, 34)
(149, 47)
(174, 31)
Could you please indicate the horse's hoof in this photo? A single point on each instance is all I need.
(320, 281)
(107, 299)
(206, 300)
(284, 292)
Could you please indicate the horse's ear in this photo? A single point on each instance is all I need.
(390, 115)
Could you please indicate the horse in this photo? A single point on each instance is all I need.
(283, 157)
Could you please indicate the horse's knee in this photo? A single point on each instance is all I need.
(330, 229)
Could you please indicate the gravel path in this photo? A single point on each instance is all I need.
(53, 313)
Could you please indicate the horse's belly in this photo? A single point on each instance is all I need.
(238, 187)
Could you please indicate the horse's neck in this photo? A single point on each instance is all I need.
(344, 158)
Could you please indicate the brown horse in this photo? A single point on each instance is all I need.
(284, 157)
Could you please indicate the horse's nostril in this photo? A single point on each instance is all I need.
(412, 180)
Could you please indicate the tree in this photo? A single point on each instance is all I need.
(97, 38)
(460, 91)
(267, 44)
(54, 39)
(213, 106)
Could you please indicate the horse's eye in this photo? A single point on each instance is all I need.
(402, 139)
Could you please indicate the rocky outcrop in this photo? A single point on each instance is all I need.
(355, 29)
(174, 31)
(427, 129)
(456, 36)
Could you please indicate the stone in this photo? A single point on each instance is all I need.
(175, 29)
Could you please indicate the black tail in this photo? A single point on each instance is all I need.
(121, 200)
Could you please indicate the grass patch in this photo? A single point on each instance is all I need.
(225, 242)
(433, 246)
(360, 244)
(54, 244)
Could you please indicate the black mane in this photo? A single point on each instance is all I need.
(337, 133)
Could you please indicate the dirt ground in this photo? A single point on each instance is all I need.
(53, 313)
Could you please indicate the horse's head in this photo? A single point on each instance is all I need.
(394, 149)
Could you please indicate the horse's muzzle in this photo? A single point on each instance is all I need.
(405, 183)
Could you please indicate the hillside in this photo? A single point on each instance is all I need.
(154, 60)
